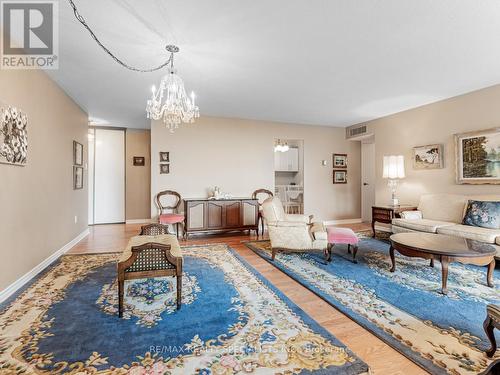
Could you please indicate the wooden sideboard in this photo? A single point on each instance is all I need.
(220, 215)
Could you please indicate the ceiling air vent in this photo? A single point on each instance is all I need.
(355, 131)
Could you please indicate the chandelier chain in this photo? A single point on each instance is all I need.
(80, 19)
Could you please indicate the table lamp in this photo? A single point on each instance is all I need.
(394, 169)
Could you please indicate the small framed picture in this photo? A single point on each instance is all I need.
(339, 160)
(139, 161)
(77, 153)
(164, 157)
(339, 177)
(428, 157)
(164, 168)
(77, 178)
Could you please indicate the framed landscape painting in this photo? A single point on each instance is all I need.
(478, 157)
(428, 157)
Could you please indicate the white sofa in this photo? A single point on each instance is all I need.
(295, 233)
(444, 213)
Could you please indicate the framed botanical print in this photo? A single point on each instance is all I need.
(339, 176)
(339, 160)
(77, 178)
(77, 153)
(477, 157)
(428, 157)
(164, 157)
(164, 168)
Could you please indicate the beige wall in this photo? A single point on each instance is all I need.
(37, 202)
(138, 179)
(237, 155)
(433, 123)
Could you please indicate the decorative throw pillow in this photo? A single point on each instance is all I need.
(411, 215)
(483, 214)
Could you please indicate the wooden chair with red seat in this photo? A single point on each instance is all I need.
(257, 194)
(172, 217)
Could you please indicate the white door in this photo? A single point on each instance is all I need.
(367, 180)
(109, 176)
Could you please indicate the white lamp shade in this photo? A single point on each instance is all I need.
(394, 166)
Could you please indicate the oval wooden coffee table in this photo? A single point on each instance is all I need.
(446, 249)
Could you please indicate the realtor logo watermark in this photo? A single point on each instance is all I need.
(30, 35)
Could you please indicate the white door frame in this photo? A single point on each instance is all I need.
(368, 178)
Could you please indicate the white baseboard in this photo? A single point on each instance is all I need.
(139, 221)
(19, 283)
(343, 221)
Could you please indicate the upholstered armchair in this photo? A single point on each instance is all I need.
(292, 232)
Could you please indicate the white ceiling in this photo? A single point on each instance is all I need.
(327, 62)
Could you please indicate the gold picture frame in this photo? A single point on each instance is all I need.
(477, 157)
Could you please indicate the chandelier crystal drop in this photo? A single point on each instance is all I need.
(170, 102)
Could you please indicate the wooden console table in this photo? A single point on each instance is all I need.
(385, 214)
(220, 215)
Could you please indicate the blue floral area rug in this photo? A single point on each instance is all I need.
(442, 334)
(232, 321)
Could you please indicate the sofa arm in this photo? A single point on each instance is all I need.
(411, 215)
(298, 217)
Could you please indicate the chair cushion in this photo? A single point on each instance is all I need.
(164, 239)
(341, 236)
(482, 214)
(421, 225)
(171, 218)
(470, 232)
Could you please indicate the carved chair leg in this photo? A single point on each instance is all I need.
(488, 328)
(273, 254)
(328, 252)
(121, 285)
(262, 225)
(179, 291)
(348, 248)
(177, 230)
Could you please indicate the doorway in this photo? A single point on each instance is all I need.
(289, 174)
(106, 175)
(367, 179)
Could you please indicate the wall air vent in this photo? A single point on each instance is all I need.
(355, 131)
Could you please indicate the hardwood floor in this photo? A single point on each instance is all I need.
(380, 357)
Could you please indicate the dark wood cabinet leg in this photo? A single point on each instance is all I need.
(393, 260)
(444, 274)
(488, 329)
(489, 275)
(179, 291)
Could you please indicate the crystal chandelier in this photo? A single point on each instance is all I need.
(170, 101)
(281, 146)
